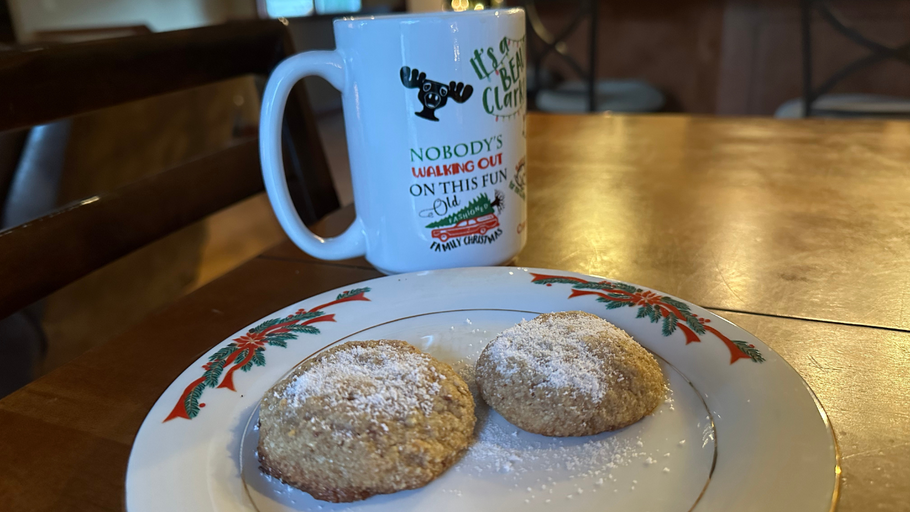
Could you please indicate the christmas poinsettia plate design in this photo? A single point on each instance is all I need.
(740, 430)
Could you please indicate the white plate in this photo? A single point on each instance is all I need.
(740, 431)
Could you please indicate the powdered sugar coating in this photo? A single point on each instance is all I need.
(364, 418)
(385, 382)
(557, 349)
(569, 374)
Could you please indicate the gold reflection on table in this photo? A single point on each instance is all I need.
(808, 218)
(805, 219)
(862, 378)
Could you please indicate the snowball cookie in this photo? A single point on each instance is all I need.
(364, 418)
(569, 374)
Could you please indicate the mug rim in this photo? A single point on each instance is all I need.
(425, 15)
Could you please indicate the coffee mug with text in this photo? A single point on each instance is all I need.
(434, 110)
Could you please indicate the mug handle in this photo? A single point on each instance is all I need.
(328, 65)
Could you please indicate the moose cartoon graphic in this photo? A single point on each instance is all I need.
(433, 95)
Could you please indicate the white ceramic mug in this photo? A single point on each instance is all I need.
(434, 109)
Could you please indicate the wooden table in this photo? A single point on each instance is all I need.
(798, 231)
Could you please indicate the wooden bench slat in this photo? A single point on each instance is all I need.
(48, 253)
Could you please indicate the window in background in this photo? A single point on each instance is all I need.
(58, 20)
(287, 8)
(299, 8)
(336, 6)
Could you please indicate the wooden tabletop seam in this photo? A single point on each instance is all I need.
(308, 259)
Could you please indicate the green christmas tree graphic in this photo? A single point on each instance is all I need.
(480, 205)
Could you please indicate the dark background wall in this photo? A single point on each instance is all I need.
(734, 57)
(727, 57)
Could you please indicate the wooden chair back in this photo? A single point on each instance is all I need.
(876, 53)
(60, 81)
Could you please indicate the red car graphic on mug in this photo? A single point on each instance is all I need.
(477, 225)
